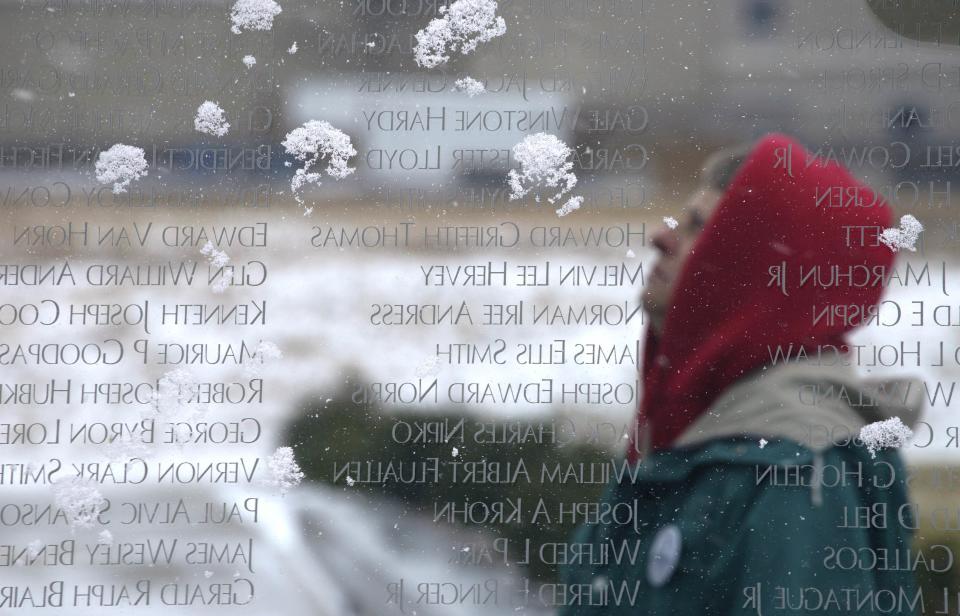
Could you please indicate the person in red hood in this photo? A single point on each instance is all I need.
(738, 496)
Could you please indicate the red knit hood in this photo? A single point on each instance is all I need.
(724, 317)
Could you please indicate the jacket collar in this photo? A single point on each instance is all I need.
(818, 403)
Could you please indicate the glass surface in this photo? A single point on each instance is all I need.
(474, 307)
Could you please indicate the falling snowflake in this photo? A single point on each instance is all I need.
(631, 254)
(265, 353)
(455, 452)
(904, 237)
(670, 221)
(543, 160)
(249, 60)
(284, 471)
(293, 48)
(763, 443)
(464, 25)
(470, 86)
(351, 480)
(253, 15)
(211, 120)
(208, 574)
(105, 537)
(80, 501)
(310, 143)
(884, 434)
(120, 165)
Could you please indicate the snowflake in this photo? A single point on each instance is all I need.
(351, 481)
(670, 221)
(285, 473)
(904, 237)
(208, 574)
(313, 141)
(763, 443)
(293, 48)
(210, 119)
(265, 353)
(173, 402)
(120, 165)
(573, 204)
(217, 258)
(80, 501)
(631, 254)
(883, 434)
(543, 163)
(249, 60)
(105, 537)
(455, 452)
(253, 15)
(464, 25)
(470, 86)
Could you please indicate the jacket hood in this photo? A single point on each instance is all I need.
(728, 311)
(816, 404)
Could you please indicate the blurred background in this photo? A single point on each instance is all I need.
(643, 91)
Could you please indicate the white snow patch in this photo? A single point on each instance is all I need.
(172, 403)
(120, 165)
(253, 15)
(543, 160)
(671, 222)
(469, 86)
(884, 434)
(763, 443)
(293, 48)
(266, 353)
(211, 120)
(455, 452)
(573, 204)
(429, 367)
(284, 471)
(218, 259)
(34, 548)
(310, 143)
(249, 60)
(464, 25)
(80, 501)
(904, 237)
(351, 480)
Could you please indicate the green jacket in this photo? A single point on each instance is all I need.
(721, 525)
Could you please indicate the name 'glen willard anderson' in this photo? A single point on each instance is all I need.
(171, 273)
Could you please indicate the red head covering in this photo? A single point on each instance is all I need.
(781, 207)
